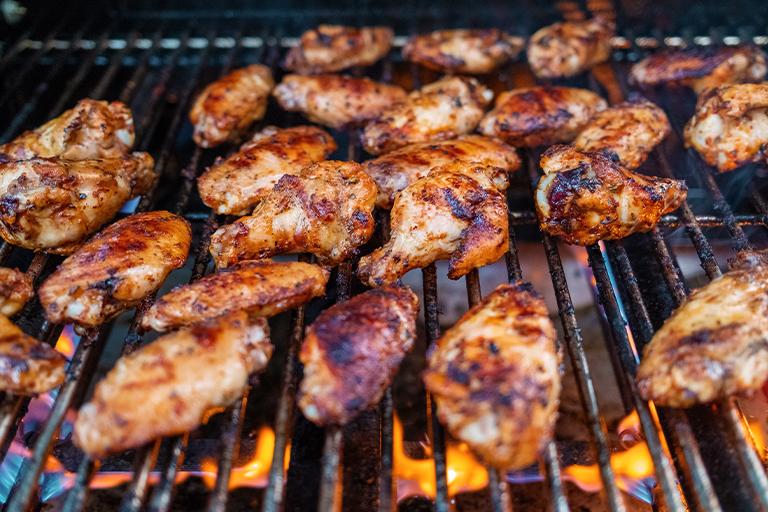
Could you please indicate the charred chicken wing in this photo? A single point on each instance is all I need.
(462, 50)
(330, 48)
(15, 290)
(27, 366)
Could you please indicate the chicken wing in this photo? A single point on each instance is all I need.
(457, 211)
(714, 344)
(166, 388)
(262, 288)
(539, 116)
(52, 205)
(334, 100)
(587, 197)
(567, 48)
(326, 210)
(92, 129)
(730, 127)
(352, 351)
(330, 48)
(441, 110)
(15, 290)
(115, 269)
(495, 377)
(235, 185)
(27, 366)
(629, 131)
(462, 50)
(229, 105)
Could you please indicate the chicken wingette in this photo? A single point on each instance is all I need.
(27, 366)
(567, 48)
(467, 51)
(330, 48)
(15, 290)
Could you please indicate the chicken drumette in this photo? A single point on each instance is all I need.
(27, 366)
(330, 48)
(15, 290)
(462, 50)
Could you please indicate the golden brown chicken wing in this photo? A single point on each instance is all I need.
(539, 116)
(228, 106)
(115, 269)
(15, 290)
(462, 50)
(330, 48)
(326, 210)
(441, 110)
(166, 387)
(27, 366)
(352, 352)
(495, 377)
(586, 197)
(457, 211)
(236, 184)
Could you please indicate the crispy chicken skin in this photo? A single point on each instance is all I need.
(167, 387)
(92, 129)
(539, 116)
(586, 197)
(701, 67)
(52, 205)
(335, 100)
(629, 131)
(495, 377)
(396, 170)
(457, 211)
(262, 288)
(330, 48)
(714, 344)
(27, 366)
(441, 110)
(115, 269)
(326, 210)
(229, 105)
(567, 48)
(730, 127)
(462, 50)
(236, 184)
(352, 352)
(15, 290)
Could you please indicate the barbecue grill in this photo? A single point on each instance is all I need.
(156, 57)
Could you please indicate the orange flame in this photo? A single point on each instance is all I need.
(65, 345)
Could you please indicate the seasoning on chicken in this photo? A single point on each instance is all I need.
(27, 366)
(115, 269)
(396, 170)
(330, 48)
(15, 290)
(352, 352)
(92, 129)
(335, 100)
(628, 131)
(462, 50)
(586, 197)
(228, 106)
(236, 184)
(713, 345)
(539, 116)
(495, 377)
(441, 110)
(730, 127)
(457, 211)
(326, 210)
(52, 205)
(167, 387)
(262, 288)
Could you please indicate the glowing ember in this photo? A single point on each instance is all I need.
(67, 342)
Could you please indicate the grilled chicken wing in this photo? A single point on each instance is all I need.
(15, 290)
(53, 205)
(330, 48)
(166, 387)
(701, 67)
(730, 127)
(229, 105)
(457, 211)
(335, 100)
(713, 345)
(539, 116)
(441, 110)
(326, 210)
(92, 129)
(27, 366)
(570, 47)
(262, 288)
(115, 269)
(352, 352)
(235, 185)
(587, 197)
(495, 377)
(462, 50)
(629, 131)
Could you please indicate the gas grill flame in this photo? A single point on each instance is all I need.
(67, 342)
